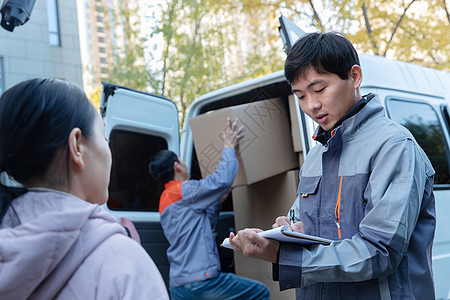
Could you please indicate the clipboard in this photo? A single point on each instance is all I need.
(283, 234)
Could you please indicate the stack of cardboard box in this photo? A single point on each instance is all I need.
(258, 205)
(266, 184)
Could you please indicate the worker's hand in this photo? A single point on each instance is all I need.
(283, 220)
(232, 133)
(253, 245)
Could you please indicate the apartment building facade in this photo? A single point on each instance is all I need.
(45, 46)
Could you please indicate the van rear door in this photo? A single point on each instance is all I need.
(138, 125)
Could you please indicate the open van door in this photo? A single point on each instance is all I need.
(138, 125)
(289, 33)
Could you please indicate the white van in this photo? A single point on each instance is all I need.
(139, 124)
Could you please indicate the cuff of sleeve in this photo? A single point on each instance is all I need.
(290, 266)
(230, 150)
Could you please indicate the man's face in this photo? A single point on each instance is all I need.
(325, 97)
(183, 170)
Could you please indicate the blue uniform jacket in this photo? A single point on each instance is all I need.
(188, 211)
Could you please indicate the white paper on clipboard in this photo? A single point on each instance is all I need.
(283, 234)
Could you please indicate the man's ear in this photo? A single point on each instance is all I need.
(176, 167)
(356, 76)
(76, 148)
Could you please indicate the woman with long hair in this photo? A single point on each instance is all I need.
(55, 239)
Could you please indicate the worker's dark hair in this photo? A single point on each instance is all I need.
(161, 165)
(324, 52)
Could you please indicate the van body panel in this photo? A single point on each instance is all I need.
(441, 245)
(397, 75)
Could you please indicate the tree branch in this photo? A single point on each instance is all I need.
(369, 30)
(446, 11)
(316, 16)
(397, 26)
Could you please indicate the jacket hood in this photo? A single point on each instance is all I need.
(57, 232)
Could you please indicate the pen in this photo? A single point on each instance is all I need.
(292, 216)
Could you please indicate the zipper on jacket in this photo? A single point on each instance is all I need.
(338, 208)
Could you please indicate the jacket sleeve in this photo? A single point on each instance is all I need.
(399, 176)
(201, 194)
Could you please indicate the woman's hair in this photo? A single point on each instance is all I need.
(36, 118)
(161, 165)
(328, 52)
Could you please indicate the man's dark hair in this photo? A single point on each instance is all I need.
(161, 165)
(328, 52)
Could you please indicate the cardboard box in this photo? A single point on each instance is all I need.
(301, 159)
(264, 151)
(295, 124)
(262, 272)
(258, 205)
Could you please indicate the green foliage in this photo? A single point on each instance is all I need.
(206, 47)
(208, 44)
(129, 68)
(415, 31)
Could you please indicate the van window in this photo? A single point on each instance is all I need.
(423, 122)
(131, 187)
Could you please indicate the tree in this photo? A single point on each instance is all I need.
(415, 31)
(204, 47)
(207, 44)
(95, 96)
(129, 68)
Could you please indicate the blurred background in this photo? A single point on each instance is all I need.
(182, 49)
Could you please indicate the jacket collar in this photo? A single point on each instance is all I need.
(323, 136)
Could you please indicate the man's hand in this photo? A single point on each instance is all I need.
(253, 245)
(232, 134)
(283, 220)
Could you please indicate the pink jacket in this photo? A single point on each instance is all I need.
(66, 248)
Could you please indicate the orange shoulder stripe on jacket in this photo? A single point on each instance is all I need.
(170, 195)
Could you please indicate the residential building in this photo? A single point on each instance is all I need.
(45, 46)
(102, 29)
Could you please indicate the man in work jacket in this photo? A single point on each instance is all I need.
(368, 186)
(189, 209)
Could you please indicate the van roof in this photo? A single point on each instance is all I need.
(380, 72)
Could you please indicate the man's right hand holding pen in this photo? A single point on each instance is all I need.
(252, 244)
(294, 226)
